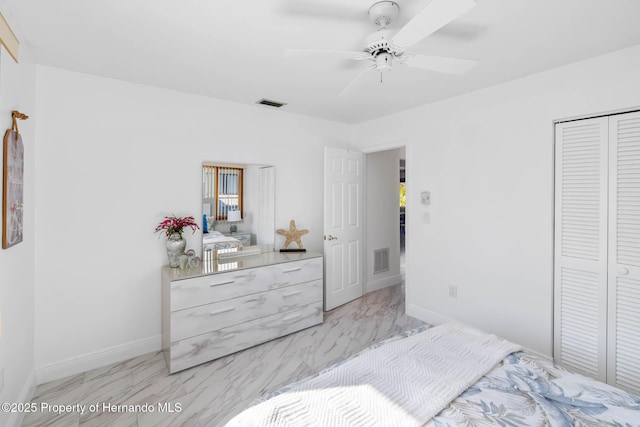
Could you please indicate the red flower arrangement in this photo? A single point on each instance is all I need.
(173, 224)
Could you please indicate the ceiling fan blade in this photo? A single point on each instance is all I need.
(441, 64)
(355, 79)
(434, 16)
(289, 53)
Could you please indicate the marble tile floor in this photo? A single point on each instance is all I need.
(211, 393)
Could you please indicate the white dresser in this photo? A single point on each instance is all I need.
(228, 305)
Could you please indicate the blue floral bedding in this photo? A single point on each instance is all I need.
(528, 390)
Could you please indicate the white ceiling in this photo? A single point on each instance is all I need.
(234, 50)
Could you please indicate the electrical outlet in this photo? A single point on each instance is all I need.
(453, 291)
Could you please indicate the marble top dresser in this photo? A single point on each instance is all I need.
(224, 306)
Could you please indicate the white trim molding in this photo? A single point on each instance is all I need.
(374, 285)
(433, 318)
(427, 316)
(88, 361)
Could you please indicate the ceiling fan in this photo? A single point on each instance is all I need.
(384, 49)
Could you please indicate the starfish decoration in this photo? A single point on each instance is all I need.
(292, 235)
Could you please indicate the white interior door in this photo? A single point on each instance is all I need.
(580, 308)
(343, 228)
(624, 251)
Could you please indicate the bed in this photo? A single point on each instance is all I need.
(446, 375)
(215, 240)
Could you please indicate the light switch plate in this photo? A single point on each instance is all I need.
(453, 291)
(425, 197)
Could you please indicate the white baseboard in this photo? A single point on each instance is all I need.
(29, 388)
(537, 353)
(374, 285)
(433, 318)
(88, 361)
(427, 316)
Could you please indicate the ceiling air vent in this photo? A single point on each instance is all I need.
(271, 103)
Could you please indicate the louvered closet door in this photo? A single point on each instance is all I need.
(624, 251)
(580, 307)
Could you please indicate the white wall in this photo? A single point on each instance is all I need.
(487, 158)
(383, 216)
(17, 279)
(114, 157)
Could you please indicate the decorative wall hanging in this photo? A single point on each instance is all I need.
(9, 39)
(292, 235)
(13, 184)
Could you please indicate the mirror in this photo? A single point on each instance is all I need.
(238, 207)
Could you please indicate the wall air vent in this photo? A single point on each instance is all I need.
(380, 260)
(271, 103)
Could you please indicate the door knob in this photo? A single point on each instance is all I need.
(623, 271)
(330, 237)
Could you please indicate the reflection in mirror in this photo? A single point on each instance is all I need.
(222, 191)
(237, 208)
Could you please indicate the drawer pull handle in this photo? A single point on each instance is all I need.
(290, 294)
(291, 317)
(222, 283)
(222, 310)
(291, 270)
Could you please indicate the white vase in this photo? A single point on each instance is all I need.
(175, 247)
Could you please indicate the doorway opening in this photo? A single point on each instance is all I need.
(385, 220)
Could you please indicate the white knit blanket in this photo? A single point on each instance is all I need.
(402, 383)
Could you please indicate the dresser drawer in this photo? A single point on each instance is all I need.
(205, 318)
(220, 287)
(203, 348)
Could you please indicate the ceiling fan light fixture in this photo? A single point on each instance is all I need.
(386, 46)
(378, 42)
(383, 61)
